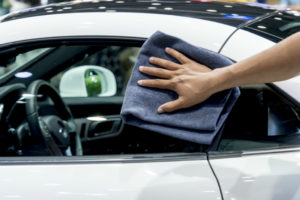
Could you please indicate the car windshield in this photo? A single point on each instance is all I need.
(12, 59)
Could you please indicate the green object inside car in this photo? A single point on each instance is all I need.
(92, 83)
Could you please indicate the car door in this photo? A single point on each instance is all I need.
(110, 177)
(258, 154)
(114, 165)
(267, 174)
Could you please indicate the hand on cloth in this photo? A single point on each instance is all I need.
(189, 79)
(173, 80)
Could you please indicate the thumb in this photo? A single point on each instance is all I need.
(171, 106)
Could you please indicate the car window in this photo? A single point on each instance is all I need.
(102, 73)
(12, 59)
(261, 119)
(88, 125)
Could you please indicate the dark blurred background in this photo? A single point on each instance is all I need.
(7, 6)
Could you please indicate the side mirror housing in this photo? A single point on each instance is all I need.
(88, 80)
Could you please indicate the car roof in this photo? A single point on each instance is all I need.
(191, 20)
(233, 14)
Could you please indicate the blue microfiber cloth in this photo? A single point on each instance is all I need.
(198, 124)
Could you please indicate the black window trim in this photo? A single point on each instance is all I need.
(102, 159)
(292, 100)
(65, 40)
(254, 152)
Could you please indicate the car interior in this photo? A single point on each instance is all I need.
(45, 112)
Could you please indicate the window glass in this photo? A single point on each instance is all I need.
(102, 73)
(261, 119)
(11, 59)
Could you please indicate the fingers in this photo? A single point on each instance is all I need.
(169, 64)
(176, 54)
(156, 83)
(171, 106)
(164, 63)
(157, 72)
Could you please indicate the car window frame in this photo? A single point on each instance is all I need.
(110, 40)
(126, 158)
(244, 153)
(212, 150)
(102, 159)
(67, 40)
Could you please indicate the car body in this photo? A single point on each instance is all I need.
(257, 156)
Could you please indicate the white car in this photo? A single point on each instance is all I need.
(80, 148)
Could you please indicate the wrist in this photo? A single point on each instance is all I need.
(222, 79)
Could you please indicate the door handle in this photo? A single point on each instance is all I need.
(110, 126)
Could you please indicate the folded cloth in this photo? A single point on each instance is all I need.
(199, 123)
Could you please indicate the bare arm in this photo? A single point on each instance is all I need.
(194, 83)
(280, 62)
(296, 8)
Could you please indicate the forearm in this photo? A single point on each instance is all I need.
(280, 62)
(194, 83)
(297, 8)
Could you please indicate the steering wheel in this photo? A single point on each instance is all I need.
(58, 132)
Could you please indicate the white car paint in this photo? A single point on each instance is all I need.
(267, 176)
(244, 44)
(291, 87)
(273, 176)
(174, 180)
(196, 31)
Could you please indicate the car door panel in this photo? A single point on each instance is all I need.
(256, 175)
(93, 179)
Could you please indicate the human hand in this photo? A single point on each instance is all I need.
(189, 79)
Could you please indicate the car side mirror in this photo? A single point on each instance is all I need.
(88, 80)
